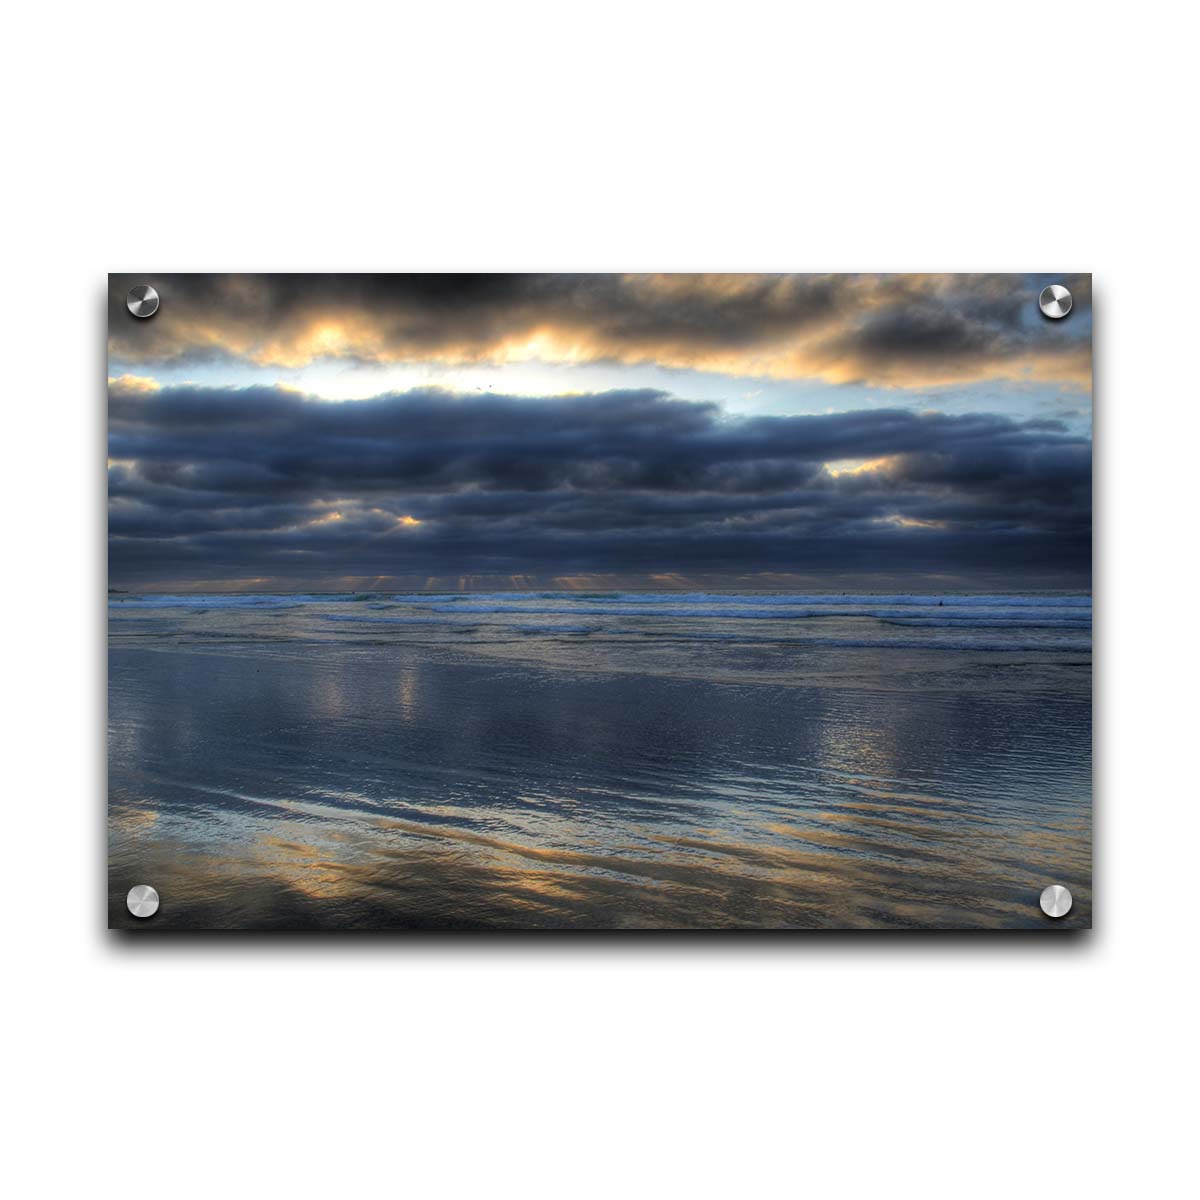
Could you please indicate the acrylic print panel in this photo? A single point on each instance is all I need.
(599, 602)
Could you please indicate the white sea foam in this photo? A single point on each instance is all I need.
(1049, 644)
(251, 600)
(355, 619)
(656, 601)
(753, 612)
(764, 599)
(982, 622)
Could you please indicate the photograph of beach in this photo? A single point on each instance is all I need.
(599, 602)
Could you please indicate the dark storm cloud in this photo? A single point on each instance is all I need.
(225, 484)
(902, 330)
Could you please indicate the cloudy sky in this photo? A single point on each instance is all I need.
(589, 431)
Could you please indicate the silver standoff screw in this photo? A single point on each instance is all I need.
(142, 900)
(142, 300)
(1055, 301)
(1055, 901)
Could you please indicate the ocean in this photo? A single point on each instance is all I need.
(571, 760)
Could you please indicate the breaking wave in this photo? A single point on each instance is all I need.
(982, 622)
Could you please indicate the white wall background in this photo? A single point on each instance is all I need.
(553, 136)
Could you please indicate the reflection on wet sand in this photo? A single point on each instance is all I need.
(405, 785)
(394, 873)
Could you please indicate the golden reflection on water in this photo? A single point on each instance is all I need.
(423, 875)
(407, 699)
